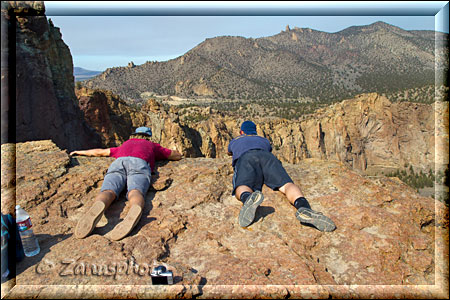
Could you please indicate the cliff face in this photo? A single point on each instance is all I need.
(45, 102)
(367, 133)
(386, 233)
(111, 117)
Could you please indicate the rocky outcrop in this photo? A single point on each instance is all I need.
(390, 242)
(367, 133)
(44, 101)
(111, 117)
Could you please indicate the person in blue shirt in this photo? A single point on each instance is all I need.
(254, 165)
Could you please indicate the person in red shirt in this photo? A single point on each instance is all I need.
(135, 161)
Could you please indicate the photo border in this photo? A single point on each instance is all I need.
(440, 289)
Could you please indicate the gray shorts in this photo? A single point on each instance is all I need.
(131, 171)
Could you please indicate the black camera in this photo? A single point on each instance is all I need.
(160, 275)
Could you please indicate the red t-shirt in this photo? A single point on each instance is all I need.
(146, 150)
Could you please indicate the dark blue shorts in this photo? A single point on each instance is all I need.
(127, 171)
(257, 167)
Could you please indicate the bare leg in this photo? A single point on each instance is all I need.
(107, 197)
(291, 191)
(240, 189)
(306, 215)
(137, 203)
(136, 198)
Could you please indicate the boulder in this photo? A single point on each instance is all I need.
(390, 242)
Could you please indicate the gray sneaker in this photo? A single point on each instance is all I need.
(247, 213)
(309, 217)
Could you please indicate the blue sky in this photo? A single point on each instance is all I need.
(101, 35)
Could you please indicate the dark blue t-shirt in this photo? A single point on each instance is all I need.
(243, 143)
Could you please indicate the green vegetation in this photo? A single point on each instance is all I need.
(286, 109)
(195, 118)
(417, 180)
(135, 105)
(277, 67)
(390, 81)
(420, 180)
(425, 94)
(296, 108)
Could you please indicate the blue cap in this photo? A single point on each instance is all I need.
(143, 130)
(248, 127)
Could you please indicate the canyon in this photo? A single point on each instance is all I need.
(390, 241)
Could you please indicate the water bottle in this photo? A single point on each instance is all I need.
(29, 240)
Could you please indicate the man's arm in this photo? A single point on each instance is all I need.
(229, 152)
(175, 155)
(92, 152)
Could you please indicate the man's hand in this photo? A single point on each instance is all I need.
(175, 155)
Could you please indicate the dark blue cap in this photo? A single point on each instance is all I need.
(248, 127)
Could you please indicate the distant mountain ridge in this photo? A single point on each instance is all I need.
(296, 63)
(83, 74)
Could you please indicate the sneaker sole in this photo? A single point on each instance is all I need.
(248, 211)
(126, 226)
(318, 220)
(88, 222)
